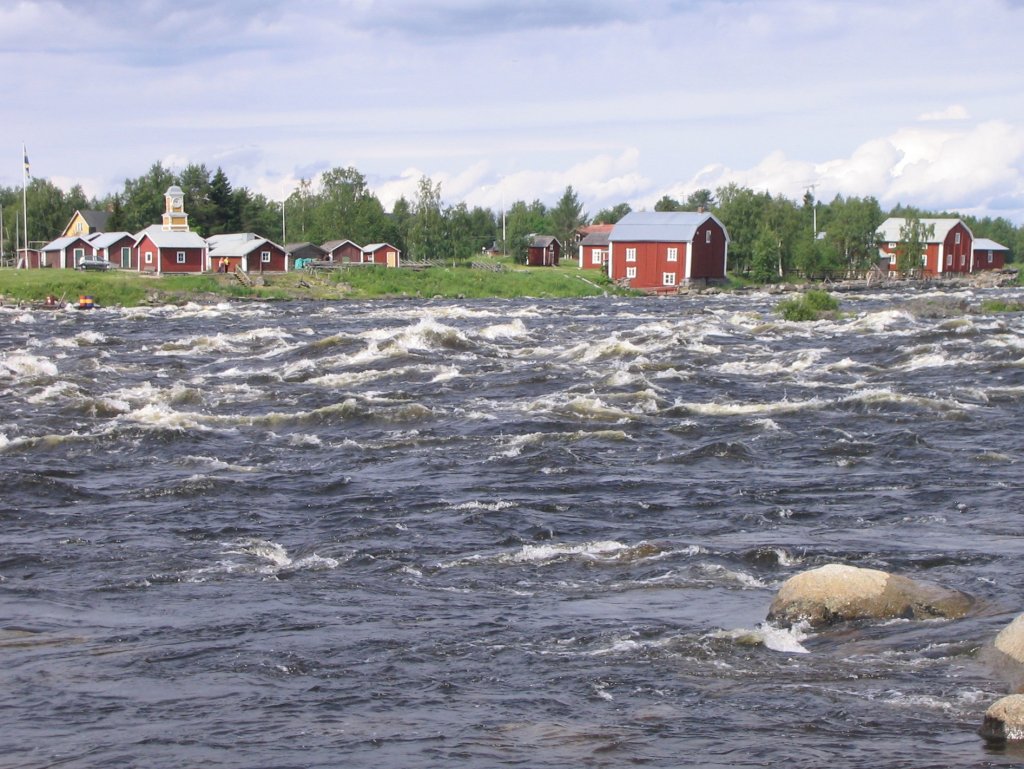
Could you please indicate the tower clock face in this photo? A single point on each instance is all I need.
(176, 202)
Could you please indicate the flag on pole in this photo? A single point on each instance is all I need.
(25, 153)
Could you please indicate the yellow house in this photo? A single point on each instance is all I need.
(85, 223)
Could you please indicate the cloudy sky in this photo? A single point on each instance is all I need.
(912, 101)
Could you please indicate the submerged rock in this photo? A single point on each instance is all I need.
(837, 593)
(1006, 654)
(1004, 720)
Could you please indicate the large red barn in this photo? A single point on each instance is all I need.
(659, 250)
(947, 250)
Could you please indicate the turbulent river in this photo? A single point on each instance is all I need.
(500, 533)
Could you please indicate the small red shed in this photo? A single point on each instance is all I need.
(382, 253)
(989, 255)
(343, 251)
(543, 251)
(66, 252)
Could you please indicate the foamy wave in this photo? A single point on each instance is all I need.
(56, 392)
(721, 573)
(604, 349)
(25, 367)
(514, 329)
(788, 640)
(588, 406)
(514, 445)
(601, 551)
(801, 362)
(492, 507)
(883, 320)
(274, 557)
(734, 409)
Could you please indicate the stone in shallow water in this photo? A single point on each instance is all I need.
(1006, 654)
(1004, 720)
(838, 593)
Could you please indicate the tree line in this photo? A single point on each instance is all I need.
(771, 236)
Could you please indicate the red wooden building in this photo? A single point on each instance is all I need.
(66, 252)
(116, 248)
(989, 255)
(248, 254)
(593, 253)
(659, 250)
(29, 258)
(169, 251)
(382, 253)
(948, 250)
(543, 251)
(343, 251)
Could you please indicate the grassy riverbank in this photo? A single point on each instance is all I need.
(129, 289)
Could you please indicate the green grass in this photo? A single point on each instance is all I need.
(468, 283)
(1000, 305)
(129, 289)
(810, 306)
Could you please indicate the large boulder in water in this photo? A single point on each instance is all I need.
(836, 593)
(1006, 654)
(1004, 721)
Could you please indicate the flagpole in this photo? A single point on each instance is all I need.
(24, 198)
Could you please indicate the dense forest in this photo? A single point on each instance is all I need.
(770, 236)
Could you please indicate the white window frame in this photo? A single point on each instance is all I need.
(672, 255)
(181, 257)
(990, 257)
(949, 260)
(892, 258)
(924, 259)
(892, 245)
(126, 256)
(595, 256)
(630, 254)
(265, 257)
(963, 260)
(668, 278)
(630, 273)
(957, 238)
(149, 257)
(707, 236)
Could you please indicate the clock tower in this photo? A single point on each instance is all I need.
(175, 218)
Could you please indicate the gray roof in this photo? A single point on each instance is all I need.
(984, 244)
(375, 246)
(660, 226)
(331, 245)
(62, 243)
(107, 239)
(171, 238)
(595, 239)
(238, 247)
(293, 247)
(216, 240)
(543, 241)
(889, 231)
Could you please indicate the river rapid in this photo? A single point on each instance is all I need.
(500, 533)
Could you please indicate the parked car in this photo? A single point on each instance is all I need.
(94, 263)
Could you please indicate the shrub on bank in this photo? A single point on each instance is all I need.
(810, 306)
